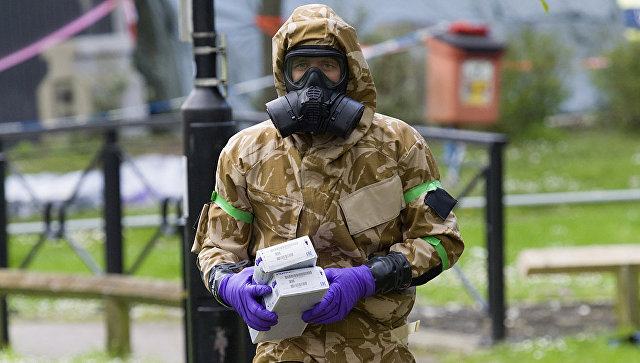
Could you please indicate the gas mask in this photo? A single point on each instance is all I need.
(316, 80)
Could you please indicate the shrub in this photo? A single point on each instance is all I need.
(620, 87)
(532, 82)
(399, 77)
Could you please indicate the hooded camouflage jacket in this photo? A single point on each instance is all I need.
(353, 197)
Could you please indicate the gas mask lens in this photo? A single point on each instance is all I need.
(330, 62)
(332, 69)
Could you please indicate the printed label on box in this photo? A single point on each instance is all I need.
(292, 293)
(294, 254)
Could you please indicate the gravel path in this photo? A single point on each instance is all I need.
(551, 320)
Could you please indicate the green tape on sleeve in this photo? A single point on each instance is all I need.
(440, 249)
(418, 190)
(231, 210)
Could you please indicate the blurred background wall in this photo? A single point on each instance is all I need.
(156, 66)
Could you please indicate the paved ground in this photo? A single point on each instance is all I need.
(459, 329)
(164, 341)
(161, 341)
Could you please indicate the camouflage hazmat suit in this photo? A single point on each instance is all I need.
(354, 197)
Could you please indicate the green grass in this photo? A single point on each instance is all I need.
(580, 160)
(531, 227)
(575, 349)
(589, 159)
(576, 160)
(62, 153)
(164, 261)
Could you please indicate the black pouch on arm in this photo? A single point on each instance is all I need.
(441, 202)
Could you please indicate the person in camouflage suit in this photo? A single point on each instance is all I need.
(363, 200)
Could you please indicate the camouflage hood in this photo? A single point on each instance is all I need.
(317, 24)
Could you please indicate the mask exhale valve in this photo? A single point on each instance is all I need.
(294, 112)
(344, 110)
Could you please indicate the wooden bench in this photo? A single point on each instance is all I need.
(118, 292)
(623, 260)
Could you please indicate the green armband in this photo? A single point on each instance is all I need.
(415, 192)
(440, 249)
(231, 210)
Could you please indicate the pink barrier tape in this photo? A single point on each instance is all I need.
(89, 18)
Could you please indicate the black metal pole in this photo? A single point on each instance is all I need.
(214, 333)
(118, 338)
(112, 202)
(4, 249)
(495, 241)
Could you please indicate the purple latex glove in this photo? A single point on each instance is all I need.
(239, 291)
(346, 287)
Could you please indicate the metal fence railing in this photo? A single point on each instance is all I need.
(54, 224)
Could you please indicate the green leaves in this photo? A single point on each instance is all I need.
(619, 86)
(533, 87)
(545, 6)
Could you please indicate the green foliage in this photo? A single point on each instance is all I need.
(620, 86)
(107, 94)
(8, 355)
(399, 77)
(532, 84)
(545, 6)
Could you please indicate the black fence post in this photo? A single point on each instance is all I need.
(112, 202)
(4, 249)
(495, 241)
(214, 333)
(116, 310)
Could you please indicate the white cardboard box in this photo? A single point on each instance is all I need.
(292, 293)
(297, 253)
